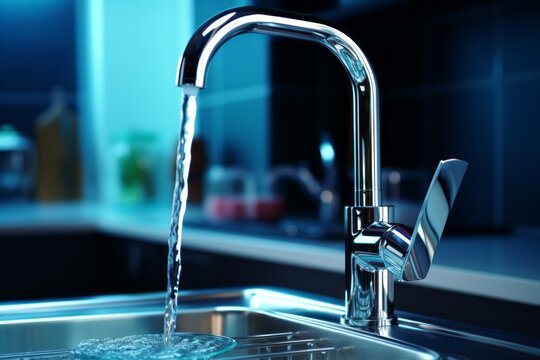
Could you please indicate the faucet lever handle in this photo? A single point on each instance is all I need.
(407, 252)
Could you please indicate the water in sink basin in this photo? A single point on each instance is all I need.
(150, 346)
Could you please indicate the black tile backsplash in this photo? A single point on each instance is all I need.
(521, 152)
(463, 47)
(406, 45)
(456, 78)
(296, 62)
(401, 116)
(461, 128)
(243, 132)
(521, 37)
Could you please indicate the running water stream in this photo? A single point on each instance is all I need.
(180, 193)
(171, 345)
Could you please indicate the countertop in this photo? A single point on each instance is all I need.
(504, 267)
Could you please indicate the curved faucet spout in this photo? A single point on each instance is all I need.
(193, 65)
(376, 250)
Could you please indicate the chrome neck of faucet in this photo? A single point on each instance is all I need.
(208, 38)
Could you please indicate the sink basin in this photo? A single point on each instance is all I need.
(266, 323)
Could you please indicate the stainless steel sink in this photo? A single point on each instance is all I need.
(266, 323)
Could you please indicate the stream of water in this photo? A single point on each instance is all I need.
(180, 193)
(170, 345)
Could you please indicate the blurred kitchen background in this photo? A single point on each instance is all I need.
(89, 116)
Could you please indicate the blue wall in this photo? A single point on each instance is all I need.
(127, 64)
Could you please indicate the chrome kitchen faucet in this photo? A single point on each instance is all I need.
(377, 251)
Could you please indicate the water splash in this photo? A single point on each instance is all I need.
(183, 160)
(182, 346)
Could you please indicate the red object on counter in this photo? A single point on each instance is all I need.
(225, 207)
(266, 209)
(239, 208)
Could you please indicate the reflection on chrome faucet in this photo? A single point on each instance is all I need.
(325, 192)
(376, 249)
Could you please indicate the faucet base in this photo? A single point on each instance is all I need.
(373, 323)
(369, 291)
